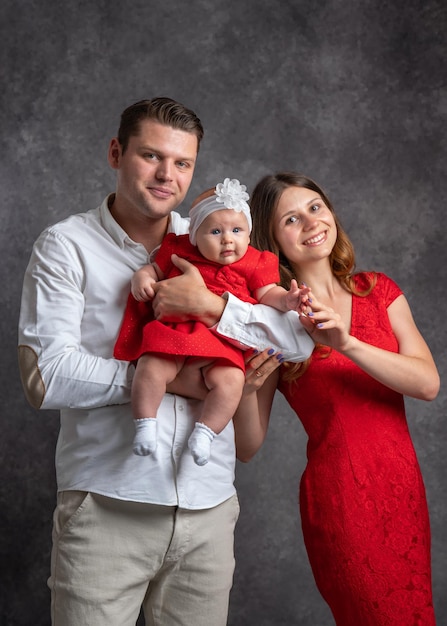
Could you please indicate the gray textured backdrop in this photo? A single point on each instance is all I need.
(351, 93)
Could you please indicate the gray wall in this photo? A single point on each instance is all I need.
(351, 93)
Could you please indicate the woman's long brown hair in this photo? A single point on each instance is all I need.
(264, 200)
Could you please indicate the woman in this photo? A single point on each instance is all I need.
(362, 499)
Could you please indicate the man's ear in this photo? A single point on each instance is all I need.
(114, 154)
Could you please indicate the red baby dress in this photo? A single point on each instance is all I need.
(140, 333)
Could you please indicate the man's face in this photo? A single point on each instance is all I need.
(155, 171)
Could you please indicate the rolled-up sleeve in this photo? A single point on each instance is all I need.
(58, 369)
(260, 326)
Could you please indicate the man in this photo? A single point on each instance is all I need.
(128, 531)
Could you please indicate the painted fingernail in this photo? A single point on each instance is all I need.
(310, 314)
(280, 358)
(270, 352)
(255, 351)
(320, 325)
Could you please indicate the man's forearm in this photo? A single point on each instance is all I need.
(186, 297)
(260, 326)
(210, 307)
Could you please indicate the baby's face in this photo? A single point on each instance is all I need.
(223, 236)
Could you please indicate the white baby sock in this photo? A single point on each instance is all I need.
(145, 440)
(200, 443)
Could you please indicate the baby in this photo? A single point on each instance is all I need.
(218, 245)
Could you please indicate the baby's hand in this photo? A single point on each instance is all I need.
(142, 294)
(142, 286)
(298, 298)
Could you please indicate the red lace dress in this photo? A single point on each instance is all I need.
(140, 333)
(362, 499)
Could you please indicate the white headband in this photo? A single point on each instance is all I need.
(228, 195)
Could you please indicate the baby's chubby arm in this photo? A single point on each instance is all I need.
(296, 299)
(143, 281)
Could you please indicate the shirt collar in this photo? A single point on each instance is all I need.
(109, 223)
(176, 224)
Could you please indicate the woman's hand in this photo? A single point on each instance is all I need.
(259, 366)
(325, 326)
(411, 371)
(189, 381)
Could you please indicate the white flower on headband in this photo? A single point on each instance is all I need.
(232, 194)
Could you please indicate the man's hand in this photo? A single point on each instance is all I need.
(189, 381)
(186, 297)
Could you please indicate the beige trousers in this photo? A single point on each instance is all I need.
(110, 557)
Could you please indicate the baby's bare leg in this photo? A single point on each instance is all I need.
(152, 375)
(225, 384)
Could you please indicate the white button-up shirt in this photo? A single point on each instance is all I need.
(74, 294)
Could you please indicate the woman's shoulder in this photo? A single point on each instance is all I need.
(378, 284)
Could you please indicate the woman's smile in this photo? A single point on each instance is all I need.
(316, 239)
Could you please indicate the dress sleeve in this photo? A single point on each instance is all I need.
(389, 289)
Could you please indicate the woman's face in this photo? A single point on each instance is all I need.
(303, 226)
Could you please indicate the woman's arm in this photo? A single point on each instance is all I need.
(251, 420)
(411, 371)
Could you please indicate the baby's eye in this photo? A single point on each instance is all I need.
(236, 229)
(215, 231)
